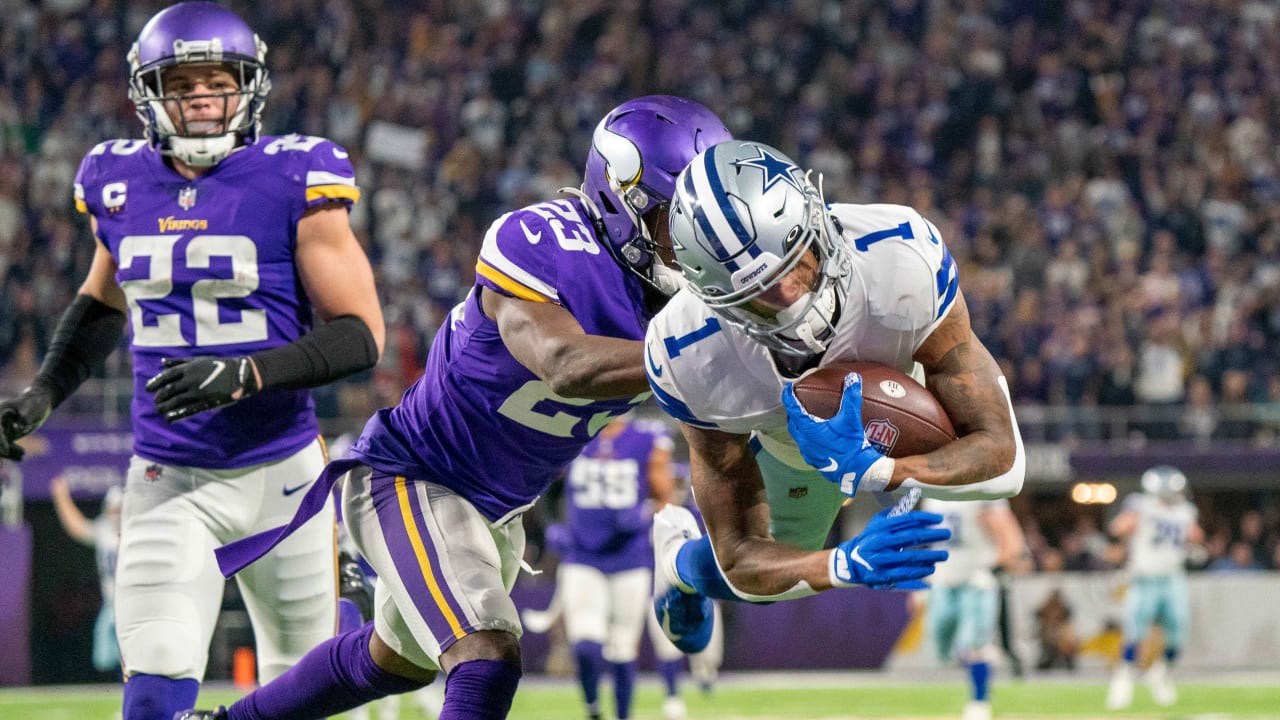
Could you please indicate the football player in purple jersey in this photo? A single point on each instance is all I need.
(606, 561)
(543, 353)
(218, 246)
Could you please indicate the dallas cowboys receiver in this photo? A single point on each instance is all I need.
(779, 283)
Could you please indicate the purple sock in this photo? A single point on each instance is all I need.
(590, 657)
(479, 690)
(670, 670)
(155, 697)
(337, 675)
(624, 681)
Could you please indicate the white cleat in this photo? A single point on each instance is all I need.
(673, 709)
(1120, 693)
(976, 710)
(685, 616)
(1163, 693)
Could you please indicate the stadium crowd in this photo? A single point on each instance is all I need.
(1104, 172)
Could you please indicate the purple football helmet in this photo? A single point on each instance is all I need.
(637, 151)
(198, 33)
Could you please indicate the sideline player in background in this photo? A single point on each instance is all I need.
(963, 602)
(1158, 524)
(103, 535)
(779, 283)
(606, 562)
(219, 246)
(542, 353)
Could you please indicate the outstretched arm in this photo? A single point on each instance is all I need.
(757, 568)
(548, 340)
(73, 521)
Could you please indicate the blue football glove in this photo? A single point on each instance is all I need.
(888, 553)
(838, 447)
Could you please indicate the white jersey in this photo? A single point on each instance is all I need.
(1158, 545)
(972, 551)
(708, 373)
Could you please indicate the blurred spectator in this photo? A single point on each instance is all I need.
(1056, 634)
(1239, 558)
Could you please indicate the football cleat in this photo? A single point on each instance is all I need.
(354, 585)
(1120, 692)
(976, 710)
(193, 714)
(686, 618)
(1163, 693)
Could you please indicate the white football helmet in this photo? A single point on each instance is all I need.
(1165, 482)
(755, 241)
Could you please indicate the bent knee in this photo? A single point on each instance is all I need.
(483, 645)
(393, 662)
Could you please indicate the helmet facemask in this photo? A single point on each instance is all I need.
(194, 145)
(788, 302)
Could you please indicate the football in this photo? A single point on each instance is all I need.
(900, 416)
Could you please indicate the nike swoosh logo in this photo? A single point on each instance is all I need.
(654, 369)
(291, 490)
(218, 367)
(666, 629)
(857, 557)
(832, 465)
(531, 236)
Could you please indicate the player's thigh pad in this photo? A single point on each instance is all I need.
(291, 592)
(1141, 604)
(1176, 617)
(978, 612)
(630, 603)
(584, 593)
(802, 504)
(447, 571)
(168, 587)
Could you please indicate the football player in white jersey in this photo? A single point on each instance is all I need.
(963, 603)
(778, 283)
(1158, 523)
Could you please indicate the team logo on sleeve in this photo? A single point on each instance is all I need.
(187, 198)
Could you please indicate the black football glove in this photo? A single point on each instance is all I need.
(20, 417)
(191, 385)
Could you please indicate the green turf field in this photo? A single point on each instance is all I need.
(773, 697)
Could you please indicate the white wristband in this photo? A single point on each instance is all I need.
(833, 570)
(877, 477)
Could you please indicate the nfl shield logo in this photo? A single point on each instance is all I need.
(882, 435)
(187, 198)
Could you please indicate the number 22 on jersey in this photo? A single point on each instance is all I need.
(158, 253)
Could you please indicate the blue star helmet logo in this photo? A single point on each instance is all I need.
(775, 169)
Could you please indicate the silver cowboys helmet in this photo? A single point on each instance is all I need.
(756, 243)
(1164, 481)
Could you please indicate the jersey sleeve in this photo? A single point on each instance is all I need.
(88, 198)
(517, 258)
(670, 387)
(328, 175)
(913, 282)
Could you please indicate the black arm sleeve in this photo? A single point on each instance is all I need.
(334, 350)
(86, 334)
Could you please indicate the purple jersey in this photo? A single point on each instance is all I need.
(479, 422)
(606, 489)
(207, 268)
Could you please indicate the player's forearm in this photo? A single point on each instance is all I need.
(764, 570)
(344, 346)
(987, 461)
(86, 334)
(593, 366)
